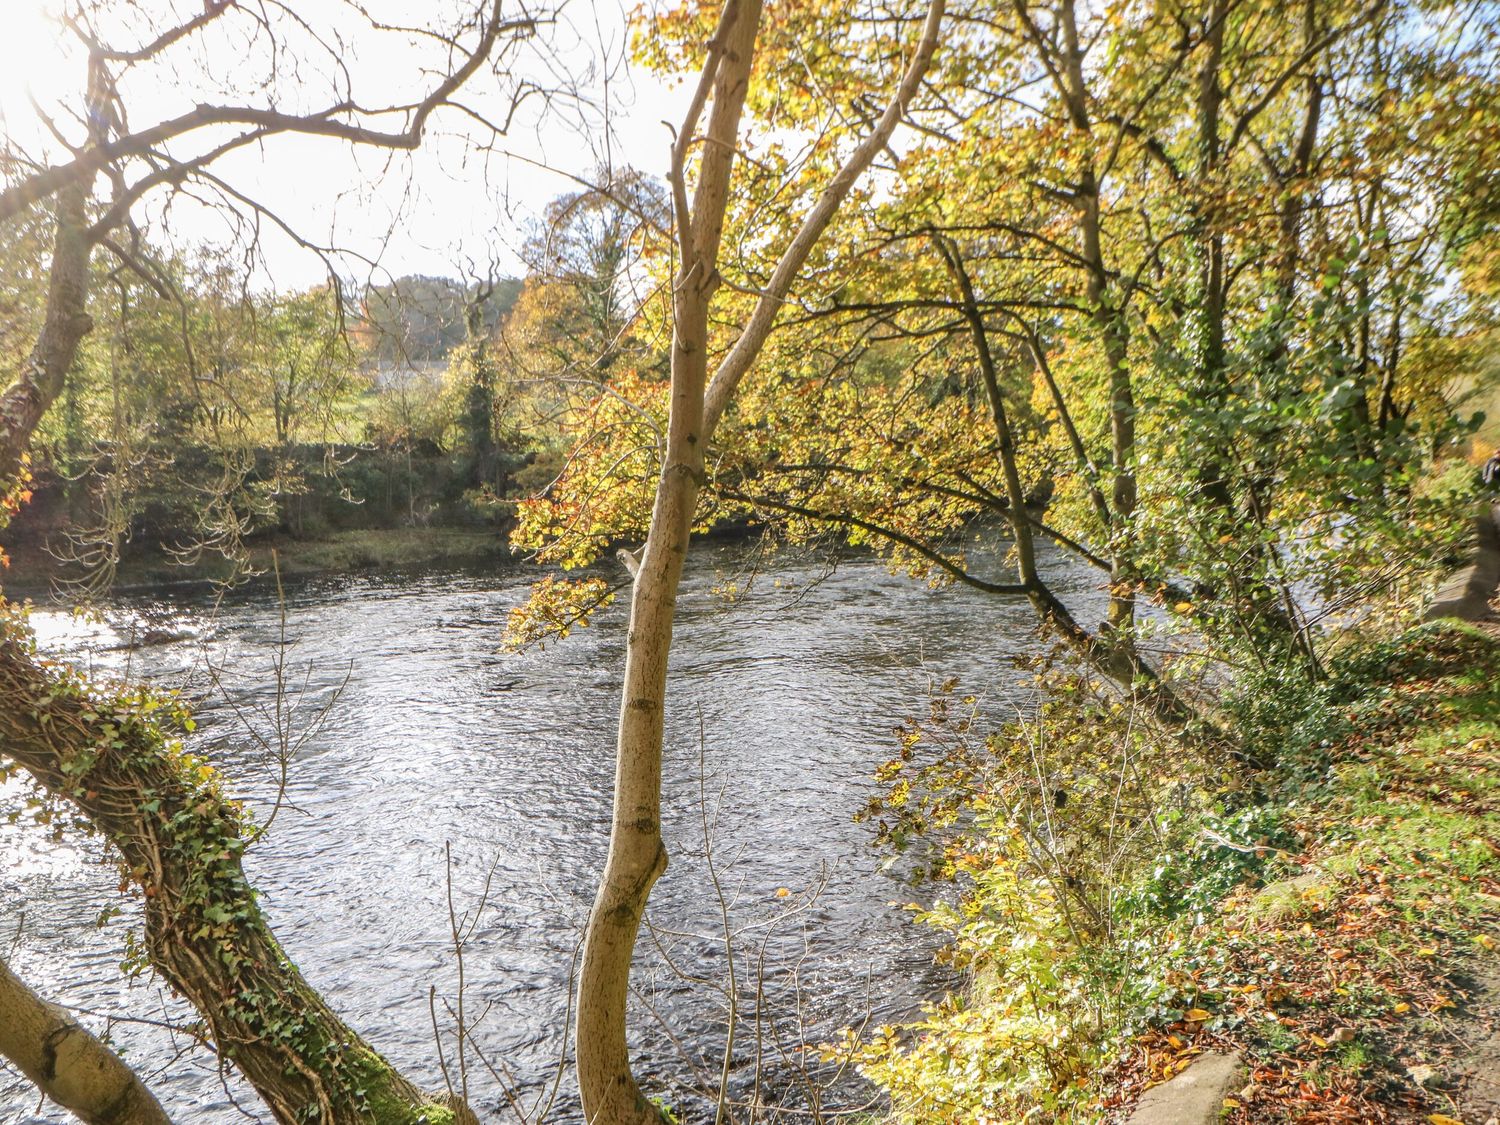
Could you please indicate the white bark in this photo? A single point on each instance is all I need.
(637, 856)
(67, 1063)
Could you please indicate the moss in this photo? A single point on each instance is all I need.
(116, 754)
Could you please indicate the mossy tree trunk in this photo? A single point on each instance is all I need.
(113, 756)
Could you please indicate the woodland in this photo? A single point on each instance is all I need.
(1200, 297)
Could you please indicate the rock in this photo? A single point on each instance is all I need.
(1194, 1097)
(1422, 1074)
(1466, 595)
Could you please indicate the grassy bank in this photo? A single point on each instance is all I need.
(1332, 917)
(404, 548)
(334, 553)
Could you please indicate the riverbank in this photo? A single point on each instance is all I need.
(1332, 919)
(337, 552)
(1357, 973)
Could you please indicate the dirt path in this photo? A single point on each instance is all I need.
(1473, 1071)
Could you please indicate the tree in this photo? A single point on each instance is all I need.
(587, 266)
(637, 855)
(113, 755)
(306, 365)
(422, 319)
(1132, 255)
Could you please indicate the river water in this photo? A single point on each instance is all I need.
(782, 702)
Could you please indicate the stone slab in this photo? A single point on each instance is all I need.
(1194, 1097)
(1466, 595)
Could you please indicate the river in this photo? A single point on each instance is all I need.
(782, 702)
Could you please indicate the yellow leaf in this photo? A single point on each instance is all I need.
(1198, 1015)
(1402, 1008)
(1318, 1041)
(1442, 1119)
(782, 892)
(1183, 607)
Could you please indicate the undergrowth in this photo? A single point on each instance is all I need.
(1121, 902)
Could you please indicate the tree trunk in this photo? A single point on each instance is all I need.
(114, 757)
(67, 322)
(637, 856)
(68, 1064)
(1121, 663)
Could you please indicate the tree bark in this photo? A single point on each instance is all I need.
(180, 843)
(67, 1063)
(637, 855)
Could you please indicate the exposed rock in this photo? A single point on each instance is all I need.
(1194, 1097)
(1466, 595)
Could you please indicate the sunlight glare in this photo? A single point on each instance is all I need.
(31, 56)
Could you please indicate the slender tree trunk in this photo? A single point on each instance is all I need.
(637, 856)
(1107, 312)
(67, 1063)
(1121, 663)
(1213, 379)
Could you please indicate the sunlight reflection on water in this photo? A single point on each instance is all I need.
(435, 735)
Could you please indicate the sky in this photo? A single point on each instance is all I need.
(447, 208)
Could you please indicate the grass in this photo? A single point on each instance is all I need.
(1347, 965)
(333, 553)
(383, 550)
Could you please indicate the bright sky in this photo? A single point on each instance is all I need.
(425, 213)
